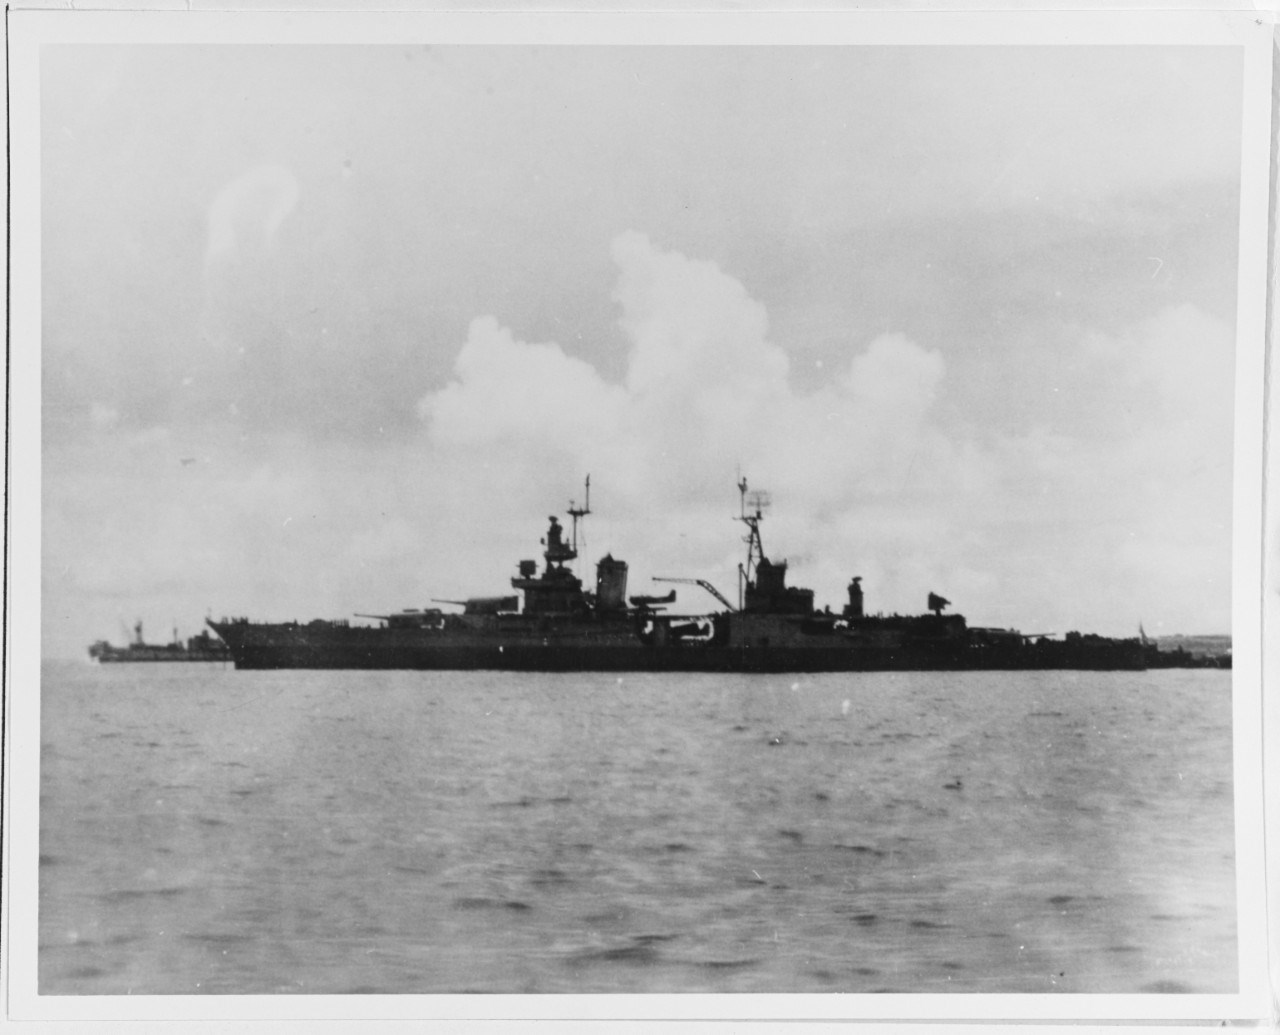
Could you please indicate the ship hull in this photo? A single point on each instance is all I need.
(285, 647)
(116, 655)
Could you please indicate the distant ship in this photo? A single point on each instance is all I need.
(201, 647)
(561, 627)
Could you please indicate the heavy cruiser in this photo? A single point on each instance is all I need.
(553, 623)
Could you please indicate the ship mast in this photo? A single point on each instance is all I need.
(577, 512)
(758, 502)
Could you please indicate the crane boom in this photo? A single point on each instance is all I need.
(704, 584)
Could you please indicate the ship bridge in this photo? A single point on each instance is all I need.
(558, 590)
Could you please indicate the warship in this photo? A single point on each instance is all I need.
(554, 623)
(201, 647)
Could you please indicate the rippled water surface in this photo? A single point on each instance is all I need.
(208, 830)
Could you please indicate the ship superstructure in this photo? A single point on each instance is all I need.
(555, 623)
(203, 646)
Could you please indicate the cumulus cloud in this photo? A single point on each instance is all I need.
(705, 394)
(705, 390)
(513, 391)
(868, 477)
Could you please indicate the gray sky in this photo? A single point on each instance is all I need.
(334, 329)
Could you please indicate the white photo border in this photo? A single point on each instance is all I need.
(30, 30)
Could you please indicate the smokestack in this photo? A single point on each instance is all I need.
(611, 584)
(854, 610)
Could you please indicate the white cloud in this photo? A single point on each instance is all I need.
(1039, 526)
(706, 393)
(510, 391)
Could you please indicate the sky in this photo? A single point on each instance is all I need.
(334, 329)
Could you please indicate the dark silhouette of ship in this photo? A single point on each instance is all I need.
(201, 647)
(564, 626)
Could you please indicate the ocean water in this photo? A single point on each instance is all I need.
(205, 830)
